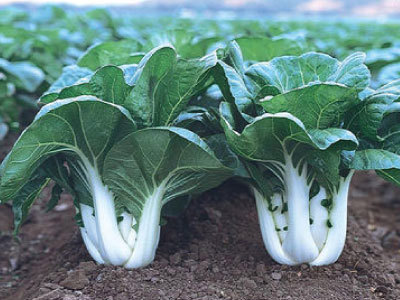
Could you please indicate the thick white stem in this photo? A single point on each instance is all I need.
(125, 226)
(319, 214)
(89, 233)
(337, 233)
(299, 244)
(149, 231)
(110, 241)
(92, 249)
(269, 234)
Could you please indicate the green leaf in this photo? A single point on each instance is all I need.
(232, 56)
(234, 89)
(326, 165)
(265, 49)
(222, 151)
(291, 72)
(176, 207)
(110, 53)
(317, 106)
(391, 175)
(367, 117)
(263, 139)
(152, 157)
(375, 159)
(71, 75)
(165, 85)
(55, 197)
(70, 126)
(26, 197)
(107, 83)
(352, 72)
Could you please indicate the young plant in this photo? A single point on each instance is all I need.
(119, 175)
(286, 119)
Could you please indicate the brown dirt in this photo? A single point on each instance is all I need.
(214, 251)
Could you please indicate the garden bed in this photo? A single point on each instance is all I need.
(214, 251)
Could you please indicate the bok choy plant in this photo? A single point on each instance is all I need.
(377, 123)
(105, 136)
(293, 122)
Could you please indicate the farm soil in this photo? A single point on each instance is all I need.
(214, 251)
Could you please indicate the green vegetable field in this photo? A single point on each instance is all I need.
(165, 157)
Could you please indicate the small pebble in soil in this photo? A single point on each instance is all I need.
(276, 276)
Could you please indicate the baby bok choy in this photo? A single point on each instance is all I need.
(286, 120)
(118, 156)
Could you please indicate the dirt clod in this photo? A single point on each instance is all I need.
(87, 266)
(52, 295)
(76, 280)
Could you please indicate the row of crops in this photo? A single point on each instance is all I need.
(139, 115)
(35, 46)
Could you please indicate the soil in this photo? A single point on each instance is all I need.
(214, 251)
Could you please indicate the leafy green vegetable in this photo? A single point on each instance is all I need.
(133, 125)
(120, 176)
(294, 150)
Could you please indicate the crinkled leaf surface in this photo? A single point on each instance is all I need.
(263, 139)
(110, 53)
(70, 126)
(70, 76)
(291, 72)
(367, 117)
(165, 84)
(107, 83)
(148, 158)
(318, 106)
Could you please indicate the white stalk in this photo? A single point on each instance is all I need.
(320, 215)
(89, 233)
(337, 233)
(269, 234)
(111, 244)
(92, 249)
(125, 227)
(149, 231)
(299, 244)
